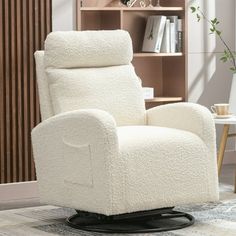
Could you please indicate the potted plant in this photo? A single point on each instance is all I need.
(228, 54)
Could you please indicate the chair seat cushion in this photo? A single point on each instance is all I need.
(163, 166)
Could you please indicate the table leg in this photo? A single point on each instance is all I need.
(233, 135)
(222, 147)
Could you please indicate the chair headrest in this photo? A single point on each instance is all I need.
(75, 49)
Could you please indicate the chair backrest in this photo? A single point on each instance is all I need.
(90, 69)
(43, 87)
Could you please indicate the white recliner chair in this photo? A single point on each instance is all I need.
(100, 152)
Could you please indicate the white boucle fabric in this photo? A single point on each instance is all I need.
(74, 49)
(186, 116)
(116, 90)
(165, 167)
(196, 119)
(42, 82)
(158, 158)
(128, 169)
(93, 186)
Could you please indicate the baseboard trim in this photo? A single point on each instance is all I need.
(18, 191)
(230, 157)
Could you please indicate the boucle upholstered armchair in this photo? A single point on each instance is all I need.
(100, 152)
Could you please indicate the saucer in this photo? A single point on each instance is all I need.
(223, 116)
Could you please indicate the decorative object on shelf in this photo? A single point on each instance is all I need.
(125, 2)
(146, 4)
(129, 3)
(116, 3)
(150, 3)
(148, 92)
(158, 4)
(142, 4)
(228, 55)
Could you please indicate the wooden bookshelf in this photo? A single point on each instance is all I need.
(165, 72)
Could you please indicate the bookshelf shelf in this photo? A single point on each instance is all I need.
(164, 99)
(153, 9)
(165, 72)
(143, 54)
(100, 9)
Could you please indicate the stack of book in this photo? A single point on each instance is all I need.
(163, 34)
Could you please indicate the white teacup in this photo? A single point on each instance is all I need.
(221, 109)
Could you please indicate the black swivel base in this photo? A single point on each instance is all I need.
(159, 220)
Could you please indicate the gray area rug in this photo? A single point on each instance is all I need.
(212, 219)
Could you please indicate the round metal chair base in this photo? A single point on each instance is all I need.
(160, 220)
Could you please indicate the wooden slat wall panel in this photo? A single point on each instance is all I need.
(24, 25)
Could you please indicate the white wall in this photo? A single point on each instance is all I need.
(210, 79)
(63, 15)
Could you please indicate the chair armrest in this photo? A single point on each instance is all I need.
(86, 118)
(90, 127)
(185, 116)
(76, 150)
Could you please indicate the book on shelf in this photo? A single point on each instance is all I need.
(172, 38)
(154, 33)
(165, 47)
(163, 34)
(180, 36)
(174, 32)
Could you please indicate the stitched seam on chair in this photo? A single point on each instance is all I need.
(90, 162)
(73, 145)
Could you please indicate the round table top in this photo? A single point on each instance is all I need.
(226, 121)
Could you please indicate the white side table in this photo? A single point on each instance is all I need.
(224, 136)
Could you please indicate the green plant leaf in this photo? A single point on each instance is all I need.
(193, 9)
(198, 17)
(224, 59)
(214, 21)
